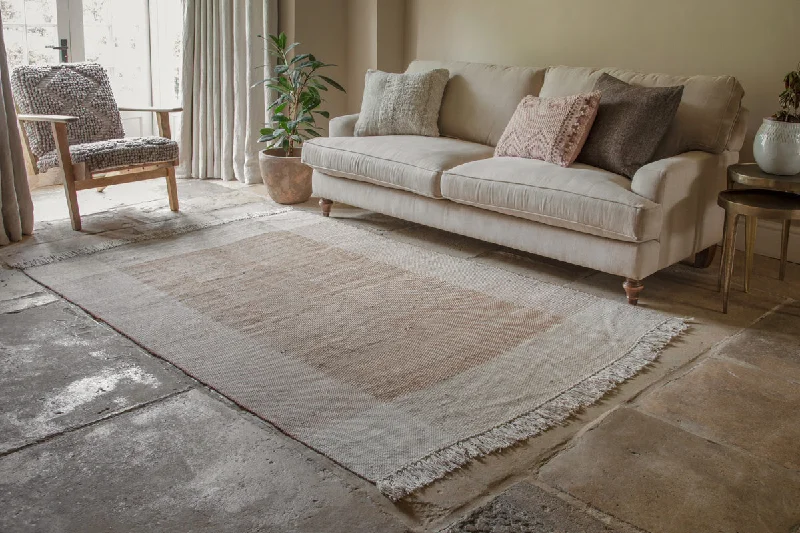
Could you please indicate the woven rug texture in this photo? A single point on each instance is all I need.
(399, 363)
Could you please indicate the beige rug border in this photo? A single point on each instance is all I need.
(150, 236)
(437, 465)
(423, 472)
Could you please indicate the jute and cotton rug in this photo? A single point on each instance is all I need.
(398, 363)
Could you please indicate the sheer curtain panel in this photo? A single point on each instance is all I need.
(223, 57)
(15, 196)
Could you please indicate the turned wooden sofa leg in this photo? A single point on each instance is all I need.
(632, 289)
(704, 258)
(326, 206)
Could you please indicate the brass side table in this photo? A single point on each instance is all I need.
(753, 204)
(749, 174)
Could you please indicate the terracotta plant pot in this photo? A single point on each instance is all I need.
(288, 180)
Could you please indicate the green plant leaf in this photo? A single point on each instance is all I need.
(323, 113)
(332, 83)
(280, 69)
(267, 131)
(279, 88)
(313, 133)
(299, 57)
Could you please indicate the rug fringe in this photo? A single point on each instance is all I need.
(153, 235)
(438, 464)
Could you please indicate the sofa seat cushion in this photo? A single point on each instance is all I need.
(406, 162)
(580, 197)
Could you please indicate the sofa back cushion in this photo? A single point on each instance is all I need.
(707, 115)
(479, 99)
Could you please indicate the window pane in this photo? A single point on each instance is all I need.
(15, 45)
(40, 11)
(39, 37)
(13, 11)
(116, 35)
(29, 27)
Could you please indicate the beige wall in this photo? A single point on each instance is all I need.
(376, 37)
(754, 40)
(320, 26)
(361, 46)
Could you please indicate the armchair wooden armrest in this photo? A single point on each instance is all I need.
(162, 117)
(153, 109)
(62, 119)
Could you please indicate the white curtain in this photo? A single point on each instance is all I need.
(223, 57)
(15, 196)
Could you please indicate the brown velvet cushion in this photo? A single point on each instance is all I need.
(630, 123)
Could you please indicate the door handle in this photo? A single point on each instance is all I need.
(63, 49)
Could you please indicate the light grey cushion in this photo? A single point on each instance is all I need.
(580, 198)
(630, 124)
(78, 89)
(480, 99)
(401, 104)
(115, 153)
(410, 163)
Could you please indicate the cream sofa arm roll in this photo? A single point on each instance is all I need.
(686, 187)
(676, 173)
(344, 126)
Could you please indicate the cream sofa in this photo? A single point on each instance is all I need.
(580, 215)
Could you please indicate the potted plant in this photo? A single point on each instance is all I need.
(777, 144)
(299, 87)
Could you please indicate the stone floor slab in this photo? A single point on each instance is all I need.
(190, 463)
(60, 369)
(772, 344)
(665, 480)
(14, 284)
(526, 508)
(729, 402)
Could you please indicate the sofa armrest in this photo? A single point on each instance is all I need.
(653, 180)
(344, 126)
(686, 187)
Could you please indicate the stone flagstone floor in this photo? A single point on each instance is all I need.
(96, 434)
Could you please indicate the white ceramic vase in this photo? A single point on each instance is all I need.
(777, 147)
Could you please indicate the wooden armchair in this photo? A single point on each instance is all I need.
(70, 120)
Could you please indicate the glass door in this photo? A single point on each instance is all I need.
(137, 41)
(37, 32)
(117, 35)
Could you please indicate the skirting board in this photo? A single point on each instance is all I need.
(768, 239)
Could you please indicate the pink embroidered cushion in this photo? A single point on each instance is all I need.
(550, 129)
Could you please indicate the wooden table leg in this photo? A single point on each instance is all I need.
(787, 228)
(751, 225)
(728, 251)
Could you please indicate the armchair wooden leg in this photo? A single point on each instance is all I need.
(326, 206)
(172, 189)
(632, 289)
(62, 146)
